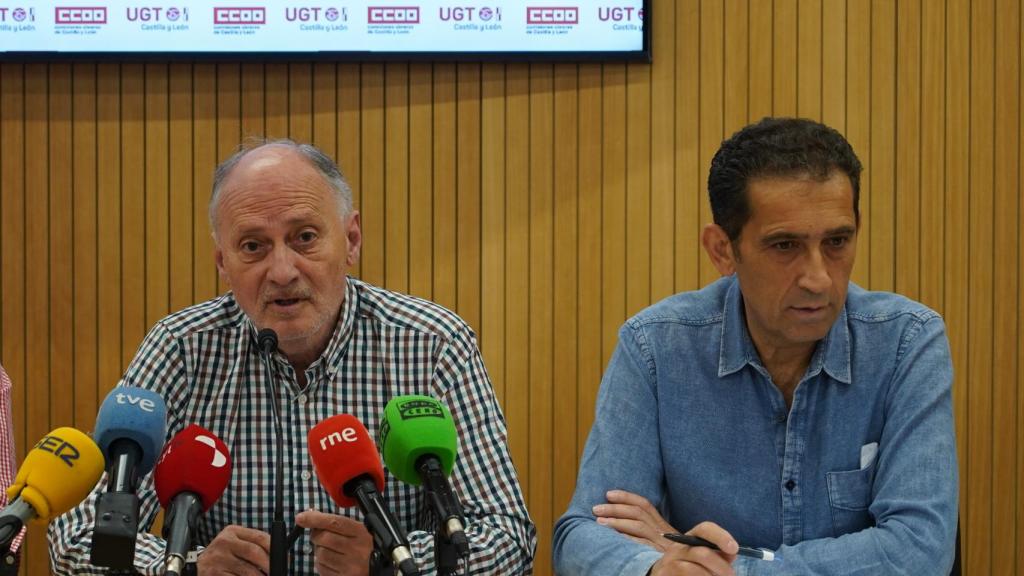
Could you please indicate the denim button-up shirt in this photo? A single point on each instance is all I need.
(858, 476)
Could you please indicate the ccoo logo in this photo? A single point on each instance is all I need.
(393, 15)
(552, 15)
(80, 15)
(238, 15)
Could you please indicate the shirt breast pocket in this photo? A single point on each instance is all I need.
(849, 495)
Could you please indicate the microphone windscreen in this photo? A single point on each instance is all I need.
(195, 460)
(342, 450)
(412, 427)
(135, 414)
(58, 473)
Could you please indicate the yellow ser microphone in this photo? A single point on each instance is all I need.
(55, 476)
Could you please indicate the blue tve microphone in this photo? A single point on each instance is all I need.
(130, 430)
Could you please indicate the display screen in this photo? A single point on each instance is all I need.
(525, 29)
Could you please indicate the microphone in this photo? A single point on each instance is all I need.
(191, 475)
(348, 466)
(130, 430)
(56, 475)
(279, 539)
(419, 443)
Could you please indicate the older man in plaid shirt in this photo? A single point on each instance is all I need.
(286, 236)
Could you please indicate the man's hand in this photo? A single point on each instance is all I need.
(236, 550)
(341, 545)
(635, 517)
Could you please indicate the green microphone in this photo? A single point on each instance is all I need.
(419, 444)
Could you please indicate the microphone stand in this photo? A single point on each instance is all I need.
(447, 550)
(279, 537)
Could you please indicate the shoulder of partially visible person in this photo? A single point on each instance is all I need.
(870, 306)
(406, 312)
(693, 307)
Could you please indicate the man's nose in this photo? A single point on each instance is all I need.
(814, 277)
(282, 266)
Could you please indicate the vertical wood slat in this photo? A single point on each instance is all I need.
(421, 173)
(182, 208)
(980, 287)
(927, 92)
(396, 176)
(957, 131)
(858, 121)
(588, 303)
(108, 219)
(1005, 281)
(809, 54)
(711, 119)
(493, 226)
(689, 190)
(84, 245)
(467, 199)
(908, 150)
(444, 185)
(517, 277)
(59, 250)
(662, 155)
(541, 223)
(881, 157)
(156, 193)
(638, 188)
(565, 216)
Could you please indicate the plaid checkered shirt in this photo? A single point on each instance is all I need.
(205, 363)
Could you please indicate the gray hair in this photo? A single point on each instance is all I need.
(316, 157)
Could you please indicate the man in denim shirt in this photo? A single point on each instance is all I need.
(780, 407)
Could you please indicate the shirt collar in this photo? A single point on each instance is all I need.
(832, 354)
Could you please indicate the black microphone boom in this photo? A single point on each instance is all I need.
(387, 534)
(444, 502)
(279, 539)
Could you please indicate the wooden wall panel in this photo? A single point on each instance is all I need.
(544, 203)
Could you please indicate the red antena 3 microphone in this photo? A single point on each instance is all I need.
(191, 475)
(348, 466)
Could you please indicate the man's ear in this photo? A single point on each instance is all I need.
(719, 248)
(218, 257)
(354, 235)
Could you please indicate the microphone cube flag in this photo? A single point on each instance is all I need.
(412, 427)
(195, 460)
(342, 450)
(58, 473)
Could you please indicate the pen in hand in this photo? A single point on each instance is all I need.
(759, 553)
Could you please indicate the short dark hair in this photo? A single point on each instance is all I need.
(775, 147)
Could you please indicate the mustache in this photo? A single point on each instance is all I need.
(296, 293)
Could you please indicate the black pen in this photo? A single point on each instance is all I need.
(759, 553)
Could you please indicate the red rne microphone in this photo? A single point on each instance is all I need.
(349, 468)
(193, 471)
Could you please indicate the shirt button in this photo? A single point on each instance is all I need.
(306, 475)
(790, 485)
(781, 417)
(302, 399)
(307, 548)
